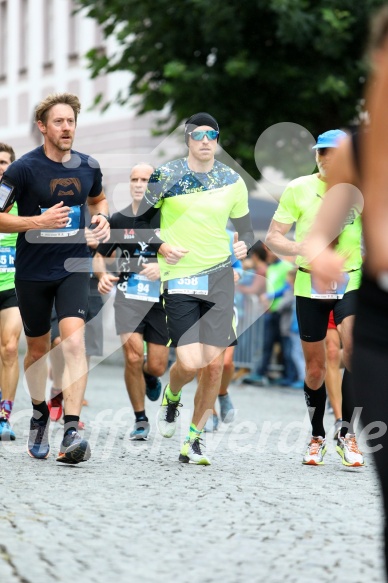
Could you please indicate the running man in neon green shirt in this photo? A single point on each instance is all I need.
(299, 204)
(10, 319)
(196, 195)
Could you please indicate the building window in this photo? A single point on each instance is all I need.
(73, 48)
(3, 40)
(48, 35)
(23, 27)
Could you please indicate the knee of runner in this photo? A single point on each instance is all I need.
(134, 359)
(333, 355)
(73, 347)
(9, 351)
(315, 373)
(157, 369)
(215, 369)
(229, 367)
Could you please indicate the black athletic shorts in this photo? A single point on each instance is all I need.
(145, 318)
(94, 333)
(371, 325)
(313, 314)
(36, 300)
(199, 318)
(8, 299)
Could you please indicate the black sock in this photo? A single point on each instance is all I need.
(316, 401)
(141, 416)
(42, 411)
(70, 423)
(347, 403)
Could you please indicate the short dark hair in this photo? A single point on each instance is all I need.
(9, 149)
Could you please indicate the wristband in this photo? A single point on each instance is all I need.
(107, 217)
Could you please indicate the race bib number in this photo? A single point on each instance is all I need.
(335, 292)
(140, 287)
(71, 228)
(7, 259)
(196, 285)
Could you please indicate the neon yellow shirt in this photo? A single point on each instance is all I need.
(299, 204)
(195, 208)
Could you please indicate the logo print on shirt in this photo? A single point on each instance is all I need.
(65, 186)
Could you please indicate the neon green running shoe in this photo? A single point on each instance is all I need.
(168, 412)
(192, 452)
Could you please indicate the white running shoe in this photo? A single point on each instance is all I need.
(192, 452)
(168, 412)
(316, 449)
(347, 448)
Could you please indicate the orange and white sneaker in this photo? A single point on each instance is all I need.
(347, 448)
(316, 449)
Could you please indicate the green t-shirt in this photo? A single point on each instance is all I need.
(7, 254)
(299, 204)
(276, 276)
(195, 208)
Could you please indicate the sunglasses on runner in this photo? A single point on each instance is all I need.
(323, 151)
(199, 135)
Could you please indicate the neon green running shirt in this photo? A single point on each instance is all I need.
(299, 204)
(195, 208)
(7, 241)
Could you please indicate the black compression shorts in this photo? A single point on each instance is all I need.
(206, 319)
(313, 314)
(36, 299)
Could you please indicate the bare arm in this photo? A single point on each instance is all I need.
(106, 281)
(55, 217)
(375, 174)
(277, 241)
(341, 196)
(99, 204)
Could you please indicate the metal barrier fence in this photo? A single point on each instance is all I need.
(250, 331)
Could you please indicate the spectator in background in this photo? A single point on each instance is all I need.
(276, 278)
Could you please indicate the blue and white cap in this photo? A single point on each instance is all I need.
(330, 139)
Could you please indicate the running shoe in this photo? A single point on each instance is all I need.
(348, 450)
(168, 412)
(38, 442)
(55, 407)
(153, 386)
(211, 424)
(192, 452)
(73, 449)
(227, 411)
(81, 425)
(337, 428)
(6, 431)
(140, 431)
(316, 449)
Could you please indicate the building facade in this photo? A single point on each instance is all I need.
(42, 50)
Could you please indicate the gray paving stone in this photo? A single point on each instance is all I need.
(134, 513)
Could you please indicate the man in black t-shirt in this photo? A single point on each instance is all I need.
(139, 314)
(51, 185)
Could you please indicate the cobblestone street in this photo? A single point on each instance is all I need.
(133, 513)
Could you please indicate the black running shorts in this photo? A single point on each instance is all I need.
(199, 318)
(8, 299)
(36, 299)
(313, 314)
(145, 318)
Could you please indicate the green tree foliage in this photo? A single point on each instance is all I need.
(251, 63)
